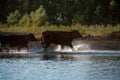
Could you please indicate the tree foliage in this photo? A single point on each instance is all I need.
(39, 17)
(62, 11)
(25, 20)
(13, 18)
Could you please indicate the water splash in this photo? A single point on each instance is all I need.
(24, 51)
(76, 47)
(82, 47)
(65, 49)
(58, 48)
(16, 51)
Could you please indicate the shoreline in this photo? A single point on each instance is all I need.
(113, 36)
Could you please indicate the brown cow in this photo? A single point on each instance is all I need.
(59, 37)
(15, 40)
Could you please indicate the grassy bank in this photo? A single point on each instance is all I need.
(93, 29)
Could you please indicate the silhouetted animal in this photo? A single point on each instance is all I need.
(59, 37)
(15, 40)
(31, 37)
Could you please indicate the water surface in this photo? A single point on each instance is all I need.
(88, 62)
(66, 67)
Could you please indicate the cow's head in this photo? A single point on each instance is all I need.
(76, 34)
(31, 37)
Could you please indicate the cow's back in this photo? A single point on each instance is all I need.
(13, 41)
(60, 35)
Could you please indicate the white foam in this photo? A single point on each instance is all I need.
(31, 50)
(76, 47)
(21, 51)
(67, 49)
(58, 48)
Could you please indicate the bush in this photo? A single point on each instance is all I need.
(25, 20)
(39, 17)
(13, 18)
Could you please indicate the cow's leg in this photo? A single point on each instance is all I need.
(43, 45)
(1, 49)
(27, 48)
(71, 46)
(6, 47)
(19, 47)
(3, 46)
(46, 46)
(62, 46)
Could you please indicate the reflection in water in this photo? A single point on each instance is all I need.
(57, 57)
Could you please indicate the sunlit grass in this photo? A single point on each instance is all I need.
(92, 29)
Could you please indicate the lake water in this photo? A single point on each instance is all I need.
(61, 65)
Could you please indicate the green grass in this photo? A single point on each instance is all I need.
(92, 29)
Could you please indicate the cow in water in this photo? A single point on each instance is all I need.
(15, 40)
(59, 37)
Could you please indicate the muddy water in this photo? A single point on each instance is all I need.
(88, 61)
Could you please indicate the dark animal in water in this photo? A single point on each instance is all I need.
(15, 40)
(30, 37)
(59, 37)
